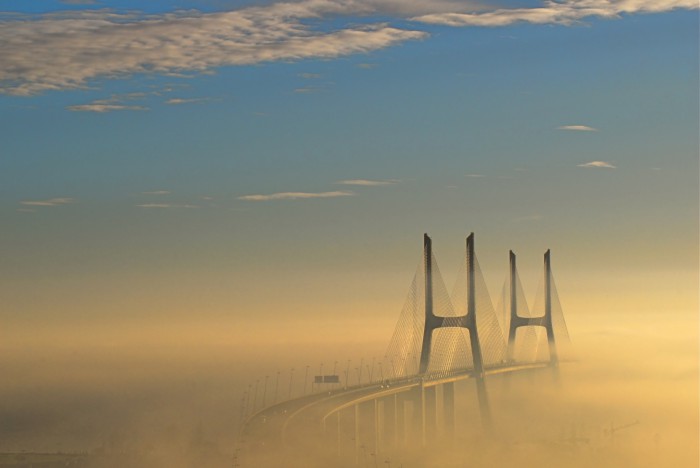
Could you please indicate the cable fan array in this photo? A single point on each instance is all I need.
(450, 351)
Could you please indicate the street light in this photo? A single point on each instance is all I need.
(255, 397)
(347, 372)
(277, 386)
(291, 379)
(265, 391)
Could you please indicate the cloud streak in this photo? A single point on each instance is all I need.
(296, 196)
(368, 182)
(553, 12)
(166, 205)
(49, 202)
(68, 49)
(598, 164)
(104, 108)
(179, 101)
(578, 128)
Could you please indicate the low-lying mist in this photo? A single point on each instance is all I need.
(630, 399)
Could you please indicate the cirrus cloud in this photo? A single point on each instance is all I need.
(598, 164)
(368, 182)
(555, 12)
(296, 196)
(49, 202)
(578, 128)
(103, 108)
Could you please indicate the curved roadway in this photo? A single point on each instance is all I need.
(291, 428)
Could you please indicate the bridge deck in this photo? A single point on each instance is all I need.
(295, 422)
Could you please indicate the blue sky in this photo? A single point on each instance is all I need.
(130, 155)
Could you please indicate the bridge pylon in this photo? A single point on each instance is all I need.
(433, 322)
(545, 320)
(468, 321)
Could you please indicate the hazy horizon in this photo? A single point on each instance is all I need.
(198, 196)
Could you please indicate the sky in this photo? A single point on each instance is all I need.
(264, 171)
(197, 195)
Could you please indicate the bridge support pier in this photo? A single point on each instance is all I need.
(400, 421)
(416, 434)
(448, 408)
(388, 421)
(366, 430)
(430, 414)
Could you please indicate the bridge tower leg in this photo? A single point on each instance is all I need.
(553, 356)
(545, 320)
(430, 318)
(477, 357)
(513, 322)
(471, 310)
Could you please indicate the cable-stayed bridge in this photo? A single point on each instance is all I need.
(440, 339)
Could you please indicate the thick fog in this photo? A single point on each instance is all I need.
(630, 399)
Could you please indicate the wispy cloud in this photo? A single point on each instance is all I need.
(157, 192)
(102, 108)
(555, 12)
(474, 176)
(68, 49)
(309, 90)
(166, 205)
(116, 102)
(578, 128)
(599, 164)
(296, 196)
(49, 202)
(369, 182)
(367, 66)
(178, 101)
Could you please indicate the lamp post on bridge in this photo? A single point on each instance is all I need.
(306, 377)
(265, 391)
(255, 397)
(291, 379)
(347, 373)
(277, 386)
